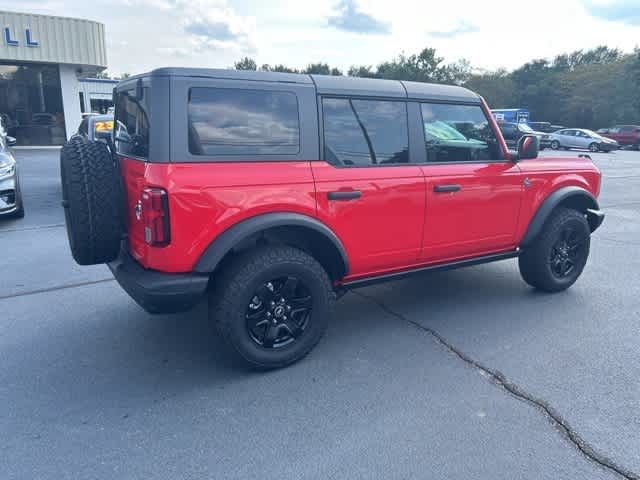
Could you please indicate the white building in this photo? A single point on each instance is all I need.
(41, 60)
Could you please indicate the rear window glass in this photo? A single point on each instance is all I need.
(132, 135)
(226, 121)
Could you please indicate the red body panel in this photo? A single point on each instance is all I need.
(399, 222)
(482, 217)
(383, 228)
(207, 198)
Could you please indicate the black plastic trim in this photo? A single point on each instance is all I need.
(362, 282)
(550, 203)
(158, 292)
(244, 229)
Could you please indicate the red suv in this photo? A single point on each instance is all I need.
(271, 194)
(626, 135)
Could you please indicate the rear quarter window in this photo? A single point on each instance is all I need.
(225, 122)
(132, 135)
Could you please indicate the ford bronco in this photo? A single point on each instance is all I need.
(272, 193)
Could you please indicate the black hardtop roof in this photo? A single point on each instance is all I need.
(327, 84)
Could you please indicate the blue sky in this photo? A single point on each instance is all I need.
(145, 34)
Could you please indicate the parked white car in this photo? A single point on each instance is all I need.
(583, 139)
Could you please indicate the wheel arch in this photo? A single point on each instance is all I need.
(293, 229)
(573, 197)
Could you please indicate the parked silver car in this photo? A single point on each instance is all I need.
(581, 138)
(10, 198)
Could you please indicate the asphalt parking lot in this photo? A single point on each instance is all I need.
(458, 375)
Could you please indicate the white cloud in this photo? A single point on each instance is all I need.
(146, 34)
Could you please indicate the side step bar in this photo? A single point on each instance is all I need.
(430, 268)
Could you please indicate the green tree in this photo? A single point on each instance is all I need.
(321, 69)
(246, 64)
(497, 88)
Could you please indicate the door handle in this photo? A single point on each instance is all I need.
(344, 195)
(447, 188)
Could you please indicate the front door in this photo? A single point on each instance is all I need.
(367, 191)
(473, 194)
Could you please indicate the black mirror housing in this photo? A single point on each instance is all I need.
(11, 141)
(528, 147)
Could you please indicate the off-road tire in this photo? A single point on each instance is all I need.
(535, 261)
(234, 288)
(91, 201)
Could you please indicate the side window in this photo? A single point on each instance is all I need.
(458, 133)
(131, 113)
(226, 121)
(365, 132)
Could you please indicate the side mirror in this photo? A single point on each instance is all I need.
(528, 147)
(11, 141)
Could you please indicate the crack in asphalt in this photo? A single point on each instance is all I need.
(53, 289)
(503, 382)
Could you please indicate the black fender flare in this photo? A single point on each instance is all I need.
(575, 196)
(242, 230)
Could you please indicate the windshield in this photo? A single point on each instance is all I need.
(591, 133)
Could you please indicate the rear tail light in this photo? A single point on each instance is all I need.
(155, 213)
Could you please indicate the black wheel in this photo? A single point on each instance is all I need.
(272, 305)
(555, 145)
(594, 147)
(91, 200)
(556, 259)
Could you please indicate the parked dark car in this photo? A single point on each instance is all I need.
(625, 135)
(96, 127)
(545, 127)
(513, 132)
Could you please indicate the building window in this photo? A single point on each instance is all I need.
(31, 103)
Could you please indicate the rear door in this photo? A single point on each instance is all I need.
(582, 140)
(473, 193)
(367, 190)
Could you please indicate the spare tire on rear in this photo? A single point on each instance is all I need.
(91, 200)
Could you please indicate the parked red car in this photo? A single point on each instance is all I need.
(272, 194)
(626, 135)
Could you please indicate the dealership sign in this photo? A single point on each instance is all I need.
(11, 39)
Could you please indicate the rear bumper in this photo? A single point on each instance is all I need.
(158, 292)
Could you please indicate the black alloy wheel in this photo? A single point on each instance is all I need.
(272, 304)
(567, 252)
(279, 312)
